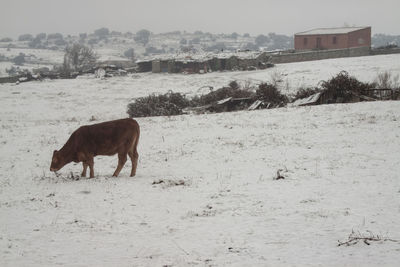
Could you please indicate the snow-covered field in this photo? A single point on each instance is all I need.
(218, 203)
(48, 58)
(37, 58)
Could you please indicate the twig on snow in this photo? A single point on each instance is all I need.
(354, 238)
(278, 175)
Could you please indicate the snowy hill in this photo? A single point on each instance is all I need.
(205, 192)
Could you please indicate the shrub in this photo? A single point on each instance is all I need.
(385, 80)
(25, 37)
(6, 40)
(41, 36)
(270, 93)
(35, 43)
(19, 60)
(154, 50)
(344, 86)
(158, 105)
(234, 35)
(54, 36)
(174, 103)
(102, 32)
(60, 42)
(195, 40)
(183, 41)
(130, 53)
(93, 41)
(234, 85)
(261, 40)
(12, 71)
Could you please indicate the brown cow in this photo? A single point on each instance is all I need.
(107, 138)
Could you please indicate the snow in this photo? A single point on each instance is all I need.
(44, 55)
(219, 203)
(203, 56)
(342, 30)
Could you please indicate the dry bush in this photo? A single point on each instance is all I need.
(158, 105)
(270, 93)
(174, 103)
(276, 78)
(385, 80)
(344, 86)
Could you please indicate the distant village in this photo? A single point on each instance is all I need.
(188, 53)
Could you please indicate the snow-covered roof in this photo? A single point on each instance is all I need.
(308, 100)
(342, 30)
(203, 56)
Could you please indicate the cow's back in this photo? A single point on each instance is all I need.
(107, 138)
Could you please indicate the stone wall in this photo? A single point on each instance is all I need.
(320, 54)
(387, 51)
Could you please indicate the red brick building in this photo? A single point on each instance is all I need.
(333, 38)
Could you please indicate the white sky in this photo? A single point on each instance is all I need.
(216, 16)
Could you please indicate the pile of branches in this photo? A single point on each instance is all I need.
(271, 94)
(345, 87)
(158, 105)
(174, 103)
(233, 90)
(341, 88)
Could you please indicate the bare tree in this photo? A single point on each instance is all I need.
(130, 53)
(385, 80)
(142, 37)
(79, 57)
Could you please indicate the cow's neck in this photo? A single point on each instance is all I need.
(67, 153)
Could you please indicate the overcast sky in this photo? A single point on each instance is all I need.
(215, 16)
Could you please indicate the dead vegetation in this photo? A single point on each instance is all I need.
(356, 237)
(305, 92)
(229, 98)
(279, 175)
(342, 88)
(165, 183)
(168, 104)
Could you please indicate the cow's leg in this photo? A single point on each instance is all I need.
(133, 154)
(85, 165)
(90, 162)
(121, 162)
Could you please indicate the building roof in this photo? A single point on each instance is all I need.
(203, 56)
(312, 99)
(342, 30)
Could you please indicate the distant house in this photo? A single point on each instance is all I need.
(333, 38)
(205, 62)
(144, 65)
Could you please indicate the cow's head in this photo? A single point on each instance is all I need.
(57, 161)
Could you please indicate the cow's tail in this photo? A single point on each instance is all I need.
(136, 141)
